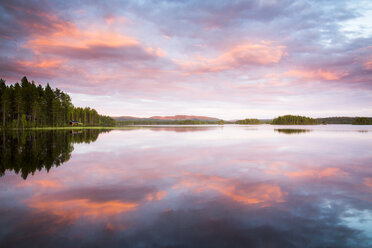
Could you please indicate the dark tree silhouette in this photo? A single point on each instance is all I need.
(294, 120)
(27, 105)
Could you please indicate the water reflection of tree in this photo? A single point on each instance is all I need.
(26, 152)
(292, 131)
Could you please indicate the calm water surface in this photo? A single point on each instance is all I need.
(218, 186)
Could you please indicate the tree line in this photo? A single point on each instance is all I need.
(26, 104)
(294, 120)
(249, 122)
(281, 120)
(362, 121)
(303, 120)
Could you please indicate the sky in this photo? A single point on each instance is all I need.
(225, 59)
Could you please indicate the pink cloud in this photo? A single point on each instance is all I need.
(128, 57)
(247, 54)
(116, 20)
(316, 173)
(318, 74)
(42, 64)
(71, 42)
(368, 65)
(368, 182)
(42, 183)
(157, 196)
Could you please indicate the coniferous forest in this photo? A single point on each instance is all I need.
(26, 104)
(249, 122)
(294, 120)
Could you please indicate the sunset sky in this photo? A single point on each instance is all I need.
(226, 59)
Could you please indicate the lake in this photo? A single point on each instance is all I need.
(188, 186)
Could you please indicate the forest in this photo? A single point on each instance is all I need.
(294, 120)
(362, 121)
(249, 122)
(336, 120)
(345, 120)
(26, 104)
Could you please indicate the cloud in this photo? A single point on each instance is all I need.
(239, 56)
(319, 74)
(368, 65)
(74, 43)
(42, 64)
(193, 53)
(316, 173)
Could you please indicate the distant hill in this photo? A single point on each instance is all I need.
(167, 118)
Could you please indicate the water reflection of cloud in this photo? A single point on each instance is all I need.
(245, 193)
(368, 182)
(93, 202)
(74, 209)
(185, 193)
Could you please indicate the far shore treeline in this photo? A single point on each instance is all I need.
(303, 120)
(29, 105)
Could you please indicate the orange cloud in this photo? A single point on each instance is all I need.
(51, 63)
(74, 38)
(263, 53)
(315, 74)
(157, 196)
(42, 183)
(368, 182)
(368, 65)
(315, 173)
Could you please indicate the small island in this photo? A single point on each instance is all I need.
(249, 122)
(294, 120)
